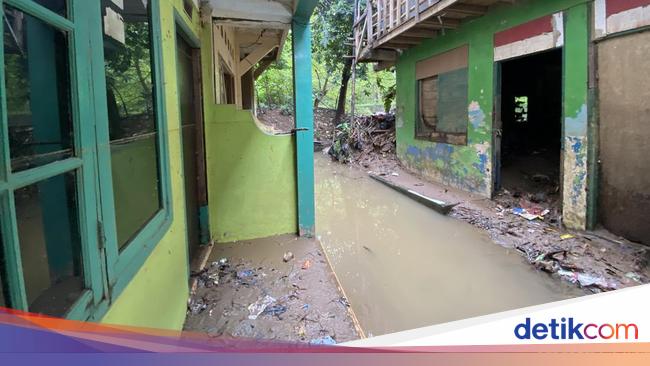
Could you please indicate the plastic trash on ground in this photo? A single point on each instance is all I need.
(323, 341)
(256, 308)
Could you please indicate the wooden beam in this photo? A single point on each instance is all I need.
(256, 24)
(253, 58)
(421, 33)
(379, 55)
(407, 40)
(397, 46)
(255, 10)
(467, 9)
(263, 65)
(436, 24)
(383, 65)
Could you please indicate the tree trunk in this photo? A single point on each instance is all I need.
(321, 93)
(345, 79)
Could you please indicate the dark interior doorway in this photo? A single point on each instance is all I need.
(191, 115)
(531, 126)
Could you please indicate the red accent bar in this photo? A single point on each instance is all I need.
(524, 31)
(619, 6)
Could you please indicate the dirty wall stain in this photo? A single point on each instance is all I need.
(575, 182)
(464, 167)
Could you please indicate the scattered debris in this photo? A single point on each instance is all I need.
(287, 257)
(343, 301)
(328, 341)
(197, 306)
(258, 307)
(591, 260)
(283, 302)
(306, 264)
(587, 280)
(633, 276)
(528, 215)
(245, 273)
(275, 310)
(365, 139)
(214, 278)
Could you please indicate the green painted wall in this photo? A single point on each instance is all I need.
(471, 167)
(251, 174)
(157, 295)
(576, 116)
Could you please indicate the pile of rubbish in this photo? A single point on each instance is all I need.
(364, 138)
(242, 298)
(533, 228)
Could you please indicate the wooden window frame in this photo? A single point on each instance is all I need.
(432, 68)
(107, 271)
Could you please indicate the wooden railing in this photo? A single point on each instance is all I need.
(377, 18)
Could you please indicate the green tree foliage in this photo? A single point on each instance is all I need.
(274, 86)
(128, 71)
(331, 30)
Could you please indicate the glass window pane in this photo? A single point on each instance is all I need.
(58, 6)
(38, 91)
(50, 246)
(132, 117)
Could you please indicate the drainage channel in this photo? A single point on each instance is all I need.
(403, 265)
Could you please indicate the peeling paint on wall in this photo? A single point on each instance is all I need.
(575, 181)
(470, 167)
(463, 167)
(476, 116)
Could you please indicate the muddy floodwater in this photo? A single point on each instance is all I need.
(404, 266)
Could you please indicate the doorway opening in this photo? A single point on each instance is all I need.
(531, 124)
(191, 115)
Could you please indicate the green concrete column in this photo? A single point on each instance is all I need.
(302, 91)
(576, 116)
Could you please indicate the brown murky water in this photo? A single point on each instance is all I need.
(405, 266)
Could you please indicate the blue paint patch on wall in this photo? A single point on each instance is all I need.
(577, 126)
(476, 115)
(482, 165)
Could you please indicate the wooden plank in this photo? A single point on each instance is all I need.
(437, 205)
(468, 9)
(201, 170)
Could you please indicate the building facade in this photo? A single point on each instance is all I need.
(487, 90)
(129, 142)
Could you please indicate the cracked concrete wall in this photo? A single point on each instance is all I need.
(471, 167)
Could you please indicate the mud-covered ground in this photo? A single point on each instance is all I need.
(595, 260)
(280, 288)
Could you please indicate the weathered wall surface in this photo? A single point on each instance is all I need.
(471, 167)
(251, 174)
(576, 118)
(625, 135)
(157, 295)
